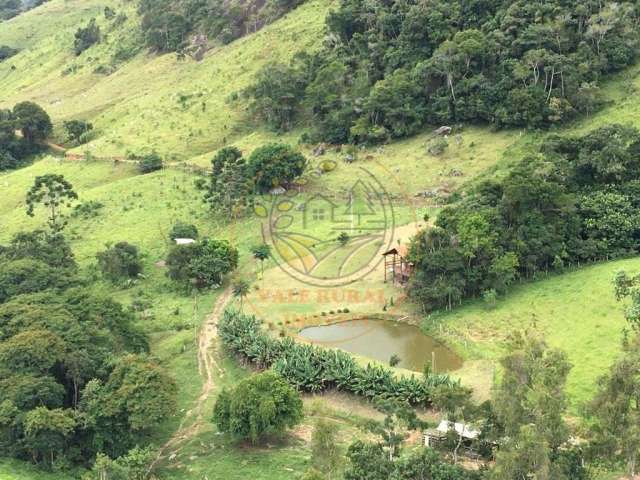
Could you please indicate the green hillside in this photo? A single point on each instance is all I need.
(150, 102)
(185, 111)
(576, 311)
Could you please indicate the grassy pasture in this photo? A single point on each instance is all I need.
(576, 311)
(184, 110)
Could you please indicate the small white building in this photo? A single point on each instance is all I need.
(433, 436)
(184, 241)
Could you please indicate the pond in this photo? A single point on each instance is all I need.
(380, 339)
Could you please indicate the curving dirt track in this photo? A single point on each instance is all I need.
(209, 370)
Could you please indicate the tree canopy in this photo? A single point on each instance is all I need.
(120, 262)
(387, 69)
(572, 202)
(76, 378)
(167, 25)
(263, 404)
(13, 8)
(53, 192)
(202, 264)
(274, 165)
(34, 126)
(86, 36)
(234, 180)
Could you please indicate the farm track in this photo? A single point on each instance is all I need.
(209, 370)
(65, 155)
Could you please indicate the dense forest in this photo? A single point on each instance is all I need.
(76, 377)
(169, 25)
(389, 68)
(574, 201)
(12, 8)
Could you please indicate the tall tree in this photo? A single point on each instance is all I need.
(33, 121)
(53, 192)
(628, 286)
(399, 418)
(274, 165)
(230, 186)
(530, 403)
(325, 451)
(263, 404)
(457, 404)
(203, 264)
(532, 389)
(120, 262)
(525, 456)
(615, 411)
(46, 432)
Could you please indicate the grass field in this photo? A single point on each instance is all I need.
(576, 312)
(16, 470)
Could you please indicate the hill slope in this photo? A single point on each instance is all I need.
(149, 102)
(576, 312)
(181, 110)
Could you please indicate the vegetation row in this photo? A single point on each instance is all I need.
(313, 369)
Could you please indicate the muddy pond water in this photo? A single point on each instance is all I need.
(380, 339)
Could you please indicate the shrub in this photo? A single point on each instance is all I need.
(263, 404)
(438, 146)
(141, 302)
(325, 450)
(394, 360)
(120, 262)
(109, 13)
(202, 264)
(8, 161)
(183, 230)
(149, 163)
(7, 52)
(490, 297)
(274, 165)
(76, 129)
(87, 209)
(328, 166)
(85, 37)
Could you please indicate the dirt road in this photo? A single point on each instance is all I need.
(209, 370)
